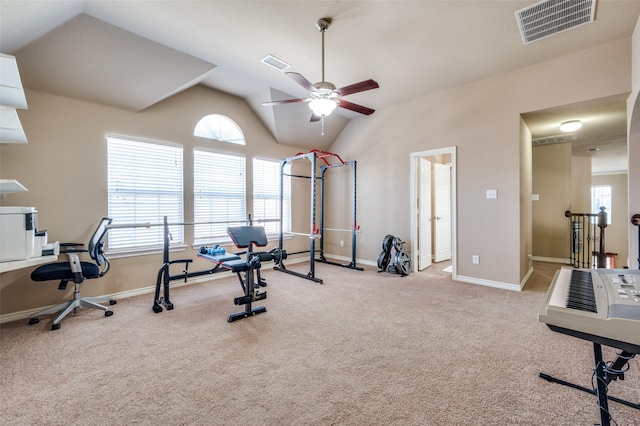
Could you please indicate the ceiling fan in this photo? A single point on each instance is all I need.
(323, 96)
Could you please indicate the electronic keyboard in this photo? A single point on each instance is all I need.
(601, 305)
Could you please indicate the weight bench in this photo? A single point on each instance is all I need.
(245, 237)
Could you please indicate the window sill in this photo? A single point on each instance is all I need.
(145, 252)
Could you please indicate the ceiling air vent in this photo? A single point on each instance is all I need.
(274, 62)
(550, 17)
(567, 137)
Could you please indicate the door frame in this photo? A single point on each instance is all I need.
(413, 191)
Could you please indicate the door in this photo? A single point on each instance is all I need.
(442, 207)
(424, 213)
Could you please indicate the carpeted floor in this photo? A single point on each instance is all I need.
(364, 348)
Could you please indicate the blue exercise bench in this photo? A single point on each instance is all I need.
(247, 269)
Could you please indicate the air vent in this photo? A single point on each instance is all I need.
(276, 63)
(567, 137)
(550, 17)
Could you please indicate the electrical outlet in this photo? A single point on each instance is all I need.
(475, 259)
(341, 243)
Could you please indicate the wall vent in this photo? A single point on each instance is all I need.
(274, 62)
(550, 17)
(567, 137)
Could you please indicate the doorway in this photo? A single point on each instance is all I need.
(433, 208)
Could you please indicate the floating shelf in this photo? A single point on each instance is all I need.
(11, 186)
(11, 91)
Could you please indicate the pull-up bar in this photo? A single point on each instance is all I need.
(330, 160)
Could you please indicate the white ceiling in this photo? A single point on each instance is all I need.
(132, 54)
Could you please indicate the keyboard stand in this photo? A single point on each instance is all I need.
(603, 380)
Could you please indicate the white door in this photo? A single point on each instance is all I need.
(424, 213)
(442, 207)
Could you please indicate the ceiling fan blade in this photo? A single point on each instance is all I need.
(286, 101)
(314, 118)
(355, 107)
(358, 87)
(298, 78)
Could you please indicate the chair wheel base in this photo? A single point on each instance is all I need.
(108, 313)
(55, 326)
(33, 321)
(157, 308)
(112, 302)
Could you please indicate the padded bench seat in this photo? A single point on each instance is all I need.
(219, 258)
(238, 265)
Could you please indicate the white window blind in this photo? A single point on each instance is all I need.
(144, 185)
(219, 127)
(219, 184)
(266, 194)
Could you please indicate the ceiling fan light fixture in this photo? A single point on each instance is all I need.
(322, 107)
(570, 126)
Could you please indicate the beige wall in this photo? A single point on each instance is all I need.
(64, 164)
(64, 168)
(633, 148)
(526, 204)
(552, 183)
(482, 121)
(616, 234)
(581, 184)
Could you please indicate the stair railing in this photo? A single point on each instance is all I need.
(583, 236)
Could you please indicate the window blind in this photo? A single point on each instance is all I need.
(144, 185)
(266, 194)
(219, 193)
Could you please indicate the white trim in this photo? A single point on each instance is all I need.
(550, 260)
(454, 200)
(526, 278)
(487, 283)
(348, 259)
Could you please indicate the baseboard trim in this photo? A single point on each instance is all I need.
(488, 283)
(550, 260)
(526, 278)
(348, 260)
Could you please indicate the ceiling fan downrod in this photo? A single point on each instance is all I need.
(323, 25)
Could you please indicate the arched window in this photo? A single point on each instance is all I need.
(219, 127)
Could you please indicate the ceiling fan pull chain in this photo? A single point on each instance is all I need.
(322, 125)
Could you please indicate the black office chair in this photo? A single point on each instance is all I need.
(76, 271)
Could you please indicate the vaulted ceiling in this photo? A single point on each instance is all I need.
(133, 54)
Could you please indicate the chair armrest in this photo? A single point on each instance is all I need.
(70, 244)
(71, 248)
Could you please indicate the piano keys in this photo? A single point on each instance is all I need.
(600, 305)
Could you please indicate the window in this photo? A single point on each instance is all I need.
(144, 185)
(219, 194)
(266, 195)
(601, 197)
(220, 128)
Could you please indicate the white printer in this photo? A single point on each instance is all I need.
(19, 237)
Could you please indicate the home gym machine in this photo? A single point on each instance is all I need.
(330, 161)
(247, 269)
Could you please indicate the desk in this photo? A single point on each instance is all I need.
(18, 264)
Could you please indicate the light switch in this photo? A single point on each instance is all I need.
(492, 193)
(535, 197)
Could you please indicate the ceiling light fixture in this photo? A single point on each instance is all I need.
(570, 126)
(322, 106)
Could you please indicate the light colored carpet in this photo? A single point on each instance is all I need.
(364, 348)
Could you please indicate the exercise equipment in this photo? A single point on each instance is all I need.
(330, 161)
(224, 262)
(401, 261)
